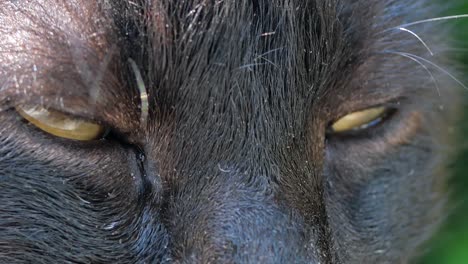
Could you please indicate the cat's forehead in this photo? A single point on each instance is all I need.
(190, 50)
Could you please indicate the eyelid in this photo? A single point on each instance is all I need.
(359, 120)
(60, 124)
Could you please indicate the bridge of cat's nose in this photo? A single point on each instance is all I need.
(225, 220)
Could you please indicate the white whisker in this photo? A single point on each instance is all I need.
(250, 66)
(437, 67)
(262, 57)
(143, 92)
(270, 51)
(435, 19)
(424, 67)
(419, 38)
(95, 88)
(268, 61)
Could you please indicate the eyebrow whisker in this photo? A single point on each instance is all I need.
(423, 21)
(423, 66)
(142, 90)
(418, 37)
(96, 84)
(421, 59)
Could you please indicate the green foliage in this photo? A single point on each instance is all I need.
(450, 246)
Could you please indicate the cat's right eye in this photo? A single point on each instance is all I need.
(60, 124)
(359, 120)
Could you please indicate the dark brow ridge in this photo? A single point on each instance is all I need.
(78, 76)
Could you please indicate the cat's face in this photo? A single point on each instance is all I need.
(229, 132)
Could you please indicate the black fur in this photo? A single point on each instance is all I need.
(234, 163)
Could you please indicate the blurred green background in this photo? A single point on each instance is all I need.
(450, 246)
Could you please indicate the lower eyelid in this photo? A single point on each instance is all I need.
(407, 129)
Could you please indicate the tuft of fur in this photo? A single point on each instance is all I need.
(232, 162)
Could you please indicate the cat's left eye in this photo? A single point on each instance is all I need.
(359, 120)
(60, 124)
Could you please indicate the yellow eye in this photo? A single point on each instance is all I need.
(61, 125)
(359, 120)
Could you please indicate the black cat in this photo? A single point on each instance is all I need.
(211, 131)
